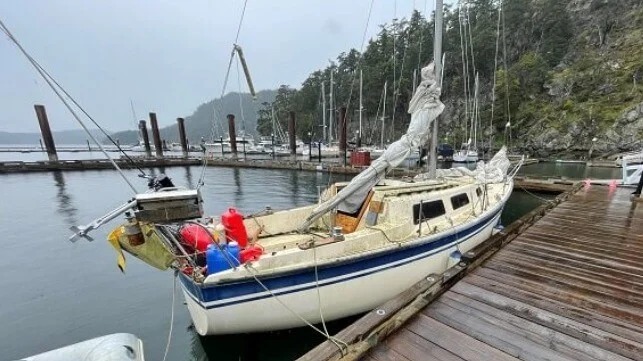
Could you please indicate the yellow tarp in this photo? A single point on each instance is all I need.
(153, 251)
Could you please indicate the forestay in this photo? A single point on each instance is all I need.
(425, 107)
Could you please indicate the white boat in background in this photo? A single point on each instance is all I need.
(139, 147)
(635, 157)
(465, 154)
(468, 153)
(327, 151)
(376, 152)
(244, 143)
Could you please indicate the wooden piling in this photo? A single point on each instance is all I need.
(183, 138)
(342, 133)
(47, 137)
(233, 135)
(292, 133)
(142, 127)
(158, 146)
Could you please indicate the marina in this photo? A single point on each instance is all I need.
(453, 205)
(139, 301)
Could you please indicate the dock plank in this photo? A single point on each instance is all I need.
(582, 330)
(555, 276)
(570, 270)
(385, 353)
(510, 340)
(594, 301)
(593, 259)
(544, 335)
(416, 348)
(457, 342)
(581, 313)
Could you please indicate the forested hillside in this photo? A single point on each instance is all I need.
(200, 123)
(565, 72)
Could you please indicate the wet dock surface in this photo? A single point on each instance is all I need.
(570, 287)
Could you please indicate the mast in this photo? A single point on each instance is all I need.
(361, 109)
(331, 119)
(323, 91)
(274, 133)
(383, 117)
(476, 115)
(437, 58)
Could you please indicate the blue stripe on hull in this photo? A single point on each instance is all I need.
(221, 292)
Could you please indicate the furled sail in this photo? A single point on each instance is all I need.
(494, 171)
(425, 107)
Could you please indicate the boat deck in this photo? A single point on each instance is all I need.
(569, 287)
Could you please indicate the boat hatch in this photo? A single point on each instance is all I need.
(350, 221)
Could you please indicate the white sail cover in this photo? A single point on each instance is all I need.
(493, 171)
(424, 107)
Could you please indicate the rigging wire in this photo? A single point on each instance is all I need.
(50, 81)
(473, 58)
(243, 118)
(109, 137)
(377, 114)
(336, 341)
(493, 89)
(399, 84)
(464, 72)
(419, 69)
(504, 55)
(169, 334)
(394, 97)
(359, 58)
(321, 313)
(223, 89)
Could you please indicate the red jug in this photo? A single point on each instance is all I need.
(234, 227)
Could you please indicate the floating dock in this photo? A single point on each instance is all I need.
(93, 164)
(565, 282)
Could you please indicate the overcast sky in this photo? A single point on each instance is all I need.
(168, 56)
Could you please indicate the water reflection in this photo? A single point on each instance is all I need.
(65, 205)
(188, 177)
(238, 192)
(294, 186)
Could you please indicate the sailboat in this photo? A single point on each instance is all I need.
(364, 242)
(468, 153)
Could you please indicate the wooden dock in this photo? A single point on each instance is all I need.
(92, 164)
(566, 284)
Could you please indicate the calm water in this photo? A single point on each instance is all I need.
(53, 292)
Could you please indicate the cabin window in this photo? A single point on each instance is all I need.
(459, 200)
(478, 192)
(428, 210)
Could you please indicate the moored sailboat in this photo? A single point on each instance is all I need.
(366, 241)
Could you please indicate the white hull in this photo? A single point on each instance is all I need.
(344, 295)
(465, 157)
